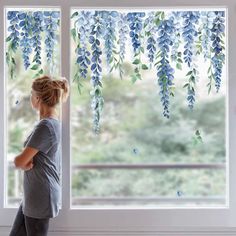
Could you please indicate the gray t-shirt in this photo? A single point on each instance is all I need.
(42, 184)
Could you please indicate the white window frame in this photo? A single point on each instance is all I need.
(126, 218)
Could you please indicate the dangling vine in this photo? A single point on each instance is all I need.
(165, 72)
(97, 32)
(150, 31)
(123, 31)
(82, 29)
(135, 20)
(217, 36)
(12, 40)
(190, 34)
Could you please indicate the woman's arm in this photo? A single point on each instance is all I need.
(25, 159)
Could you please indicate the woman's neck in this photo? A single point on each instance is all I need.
(50, 113)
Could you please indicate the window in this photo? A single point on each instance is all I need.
(141, 157)
(84, 213)
(44, 25)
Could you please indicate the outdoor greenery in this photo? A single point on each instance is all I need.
(133, 131)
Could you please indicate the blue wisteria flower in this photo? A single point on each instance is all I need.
(176, 54)
(110, 18)
(136, 26)
(189, 34)
(218, 58)
(26, 24)
(150, 29)
(122, 35)
(51, 28)
(36, 32)
(165, 72)
(13, 29)
(83, 26)
(205, 30)
(123, 31)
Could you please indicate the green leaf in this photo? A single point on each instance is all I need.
(148, 33)
(111, 69)
(74, 14)
(97, 92)
(79, 85)
(73, 33)
(144, 67)
(142, 49)
(74, 78)
(162, 15)
(13, 61)
(138, 76)
(134, 78)
(179, 66)
(186, 85)
(100, 83)
(189, 73)
(136, 70)
(197, 132)
(179, 60)
(209, 89)
(209, 69)
(192, 79)
(8, 39)
(34, 67)
(157, 21)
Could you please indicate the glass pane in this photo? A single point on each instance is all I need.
(32, 49)
(133, 130)
(147, 187)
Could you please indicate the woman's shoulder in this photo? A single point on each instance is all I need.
(52, 124)
(48, 121)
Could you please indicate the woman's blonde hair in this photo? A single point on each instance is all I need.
(51, 91)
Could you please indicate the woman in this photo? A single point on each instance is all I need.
(41, 160)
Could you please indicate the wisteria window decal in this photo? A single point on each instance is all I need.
(169, 40)
(25, 32)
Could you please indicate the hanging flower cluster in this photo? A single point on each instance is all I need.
(51, 22)
(97, 32)
(110, 19)
(190, 34)
(165, 72)
(123, 31)
(26, 30)
(217, 36)
(81, 27)
(150, 31)
(176, 54)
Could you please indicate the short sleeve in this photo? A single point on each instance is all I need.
(41, 138)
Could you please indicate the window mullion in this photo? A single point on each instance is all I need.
(2, 101)
(65, 71)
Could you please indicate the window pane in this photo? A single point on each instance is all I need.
(133, 131)
(32, 49)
